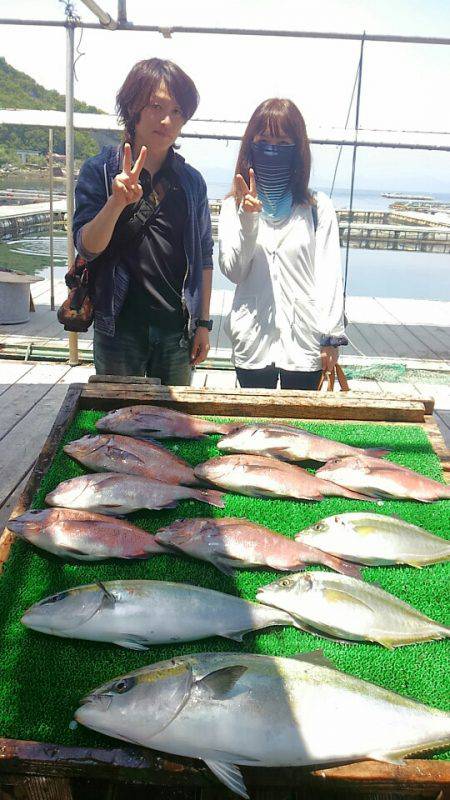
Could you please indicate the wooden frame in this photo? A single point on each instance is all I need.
(143, 766)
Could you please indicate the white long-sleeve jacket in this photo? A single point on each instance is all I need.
(289, 297)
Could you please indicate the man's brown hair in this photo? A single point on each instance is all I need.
(143, 79)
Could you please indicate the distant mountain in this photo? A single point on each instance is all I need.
(19, 90)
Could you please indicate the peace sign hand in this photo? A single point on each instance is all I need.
(126, 188)
(247, 197)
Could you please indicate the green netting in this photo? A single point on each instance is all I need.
(396, 373)
(44, 677)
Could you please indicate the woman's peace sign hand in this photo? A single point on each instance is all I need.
(247, 196)
(126, 188)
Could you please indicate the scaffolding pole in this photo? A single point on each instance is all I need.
(52, 260)
(70, 36)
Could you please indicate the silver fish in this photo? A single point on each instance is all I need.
(375, 539)
(232, 543)
(110, 493)
(260, 476)
(156, 422)
(137, 614)
(230, 709)
(289, 443)
(345, 608)
(70, 533)
(123, 454)
(376, 478)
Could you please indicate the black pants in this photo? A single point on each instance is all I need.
(267, 378)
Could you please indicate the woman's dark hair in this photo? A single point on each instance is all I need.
(279, 117)
(144, 78)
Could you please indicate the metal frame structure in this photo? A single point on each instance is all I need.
(122, 24)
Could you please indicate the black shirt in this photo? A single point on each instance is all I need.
(156, 260)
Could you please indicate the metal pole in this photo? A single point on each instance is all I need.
(52, 263)
(122, 12)
(352, 183)
(70, 30)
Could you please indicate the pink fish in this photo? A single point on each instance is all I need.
(260, 476)
(111, 453)
(156, 422)
(232, 543)
(376, 478)
(82, 535)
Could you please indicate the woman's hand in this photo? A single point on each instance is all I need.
(247, 196)
(200, 346)
(126, 188)
(329, 356)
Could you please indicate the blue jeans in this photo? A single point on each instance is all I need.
(140, 348)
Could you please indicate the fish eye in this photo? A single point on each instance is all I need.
(124, 685)
(285, 582)
(319, 526)
(54, 599)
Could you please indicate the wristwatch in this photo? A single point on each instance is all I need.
(204, 323)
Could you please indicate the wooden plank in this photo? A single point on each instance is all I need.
(125, 379)
(16, 403)
(10, 502)
(12, 371)
(257, 402)
(64, 417)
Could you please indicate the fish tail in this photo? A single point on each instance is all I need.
(311, 555)
(376, 452)
(210, 496)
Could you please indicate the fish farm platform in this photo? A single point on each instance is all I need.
(52, 770)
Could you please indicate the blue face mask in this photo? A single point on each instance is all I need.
(273, 165)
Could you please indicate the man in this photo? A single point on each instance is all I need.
(153, 271)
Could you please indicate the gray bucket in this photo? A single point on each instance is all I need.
(15, 296)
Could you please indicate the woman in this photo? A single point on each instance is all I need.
(279, 244)
(142, 217)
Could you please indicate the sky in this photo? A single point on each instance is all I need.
(404, 86)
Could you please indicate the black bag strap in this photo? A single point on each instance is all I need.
(314, 211)
(142, 214)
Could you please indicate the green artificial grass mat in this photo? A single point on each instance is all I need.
(43, 677)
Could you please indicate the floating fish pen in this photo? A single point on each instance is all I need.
(44, 677)
(15, 226)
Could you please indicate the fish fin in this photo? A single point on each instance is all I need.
(413, 564)
(224, 566)
(108, 600)
(340, 596)
(387, 643)
(117, 453)
(389, 758)
(217, 684)
(230, 775)
(316, 657)
(237, 636)
(324, 634)
(73, 551)
(132, 643)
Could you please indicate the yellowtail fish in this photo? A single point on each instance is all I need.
(345, 608)
(375, 539)
(232, 709)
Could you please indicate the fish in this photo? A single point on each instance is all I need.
(382, 479)
(233, 709)
(375, 539)
(344, 608)
(289, 443)
(137, 614)
(111, 493)
(69, 533)
(156, 422)
(231, 543)
(123, 454)
(260, 476)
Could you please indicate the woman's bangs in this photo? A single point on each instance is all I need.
(276, 124)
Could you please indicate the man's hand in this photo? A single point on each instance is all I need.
(329, 356)
(247, 195)
(126, 188)
(200, 346)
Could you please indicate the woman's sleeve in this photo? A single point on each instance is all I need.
(238, 231)
(204, 217)
(328, 274)
(90, 197)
